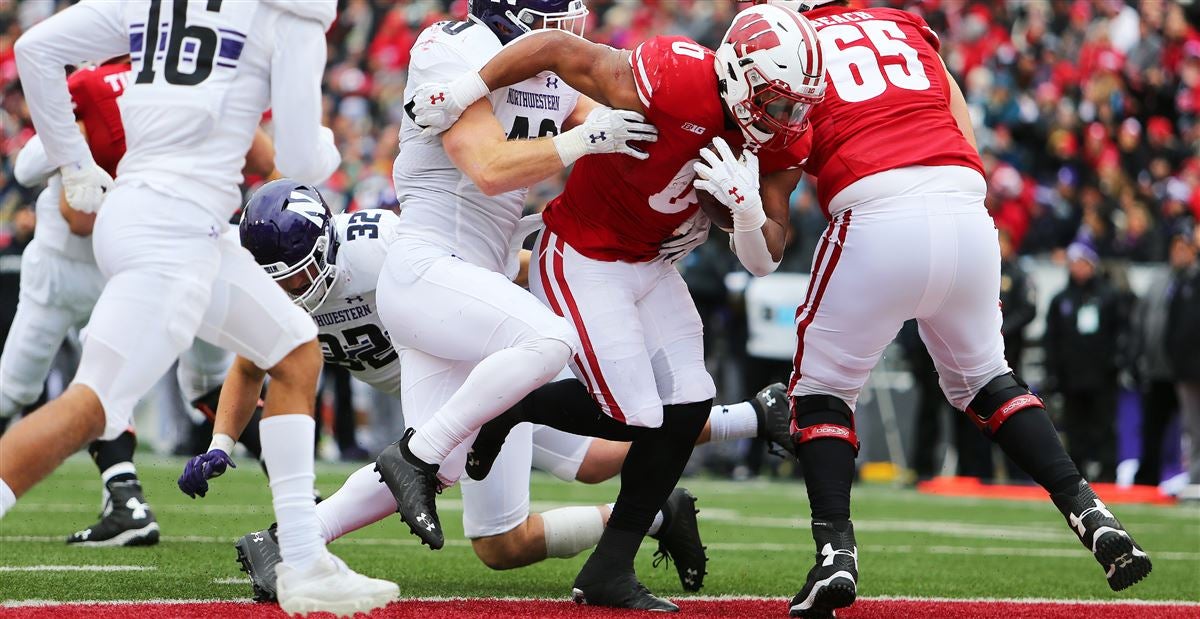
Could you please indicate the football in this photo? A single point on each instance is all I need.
(717, 213)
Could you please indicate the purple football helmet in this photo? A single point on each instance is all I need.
(510, 19)
(288, 229)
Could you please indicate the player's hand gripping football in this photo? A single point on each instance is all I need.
(436, 107)
(733, 181)
(200, 469)
(85, 185)
(688, 236)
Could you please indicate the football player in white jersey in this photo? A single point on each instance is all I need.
(329, 265)
(59, 287)
(204, 72)
(476, 343)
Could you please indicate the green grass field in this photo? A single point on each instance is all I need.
(909, 544)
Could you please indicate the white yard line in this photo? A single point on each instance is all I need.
(231, 581)
(1072, 552)
(77, 568)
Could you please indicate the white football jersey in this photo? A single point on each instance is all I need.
(203, 74)
(348, 325)
(438, 202)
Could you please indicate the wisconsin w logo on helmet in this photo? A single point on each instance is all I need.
(771, 72)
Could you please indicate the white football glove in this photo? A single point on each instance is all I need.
(734, 182)
(688, 236)
(436, 107)
(606, 130)
(85, 185)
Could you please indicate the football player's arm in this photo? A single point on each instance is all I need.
(598, 71)
(304, 149)
(776, 192)
(260, 160)
(235, 407)
(31, 167)
(522, 278)
(958, 107)
(90, 30)
(478, 146)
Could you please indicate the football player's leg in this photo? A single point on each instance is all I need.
(37, 332)
(250, 315)
(841, 333)
(964, 340)
(454, 310)
(160, 266)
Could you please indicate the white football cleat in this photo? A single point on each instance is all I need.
(330, 586)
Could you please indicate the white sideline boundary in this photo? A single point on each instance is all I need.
(685, 598)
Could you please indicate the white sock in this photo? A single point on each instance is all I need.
(656, 525)
(497, 383)
(361, 500)
(287, 450)
(7, 498)
(571, 530)
(733, 421)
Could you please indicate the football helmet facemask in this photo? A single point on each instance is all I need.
(287, 227)
(771, 73)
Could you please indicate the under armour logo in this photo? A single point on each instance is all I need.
(436, 99)
(690, 576)
(258, 538)
(472, 460)
(829, 553)
(551, 82)
(137, 507)
(84, 534)
(425, 520)
(1123, 560)
(769, 401)
(355, 299)
(598, 138)
(1077, 521)
(738, 198)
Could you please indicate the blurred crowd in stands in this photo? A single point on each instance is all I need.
(1086, 113)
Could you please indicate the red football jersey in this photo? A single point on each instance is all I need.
(887, 103)
(94, 93)
(616, 207)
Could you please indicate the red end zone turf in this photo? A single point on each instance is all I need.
(537, 609)
(973, 487)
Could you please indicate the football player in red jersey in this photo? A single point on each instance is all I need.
(642, 354)
(899, 177)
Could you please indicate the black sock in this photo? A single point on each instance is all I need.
(566, 405)
(107, 454)
(828, 466)
(1029, 438)
(652, 469)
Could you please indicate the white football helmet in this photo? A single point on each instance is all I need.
(798, 6)
(771, 72)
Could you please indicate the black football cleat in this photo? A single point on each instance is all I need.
(1124, 562)
(258, 554)
(833, 582)
(125, 521)
(487, 445)
(775, 419)
(619, 590)
(679, 540)
(414, 484)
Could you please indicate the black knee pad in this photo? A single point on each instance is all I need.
(822, 416)
(998, 400)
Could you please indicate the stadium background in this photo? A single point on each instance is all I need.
(1086, 114)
